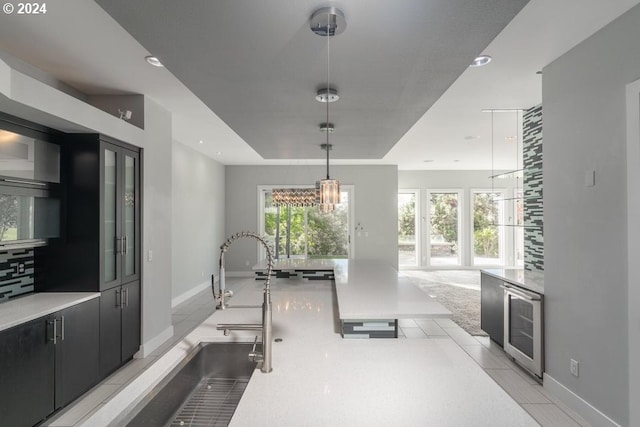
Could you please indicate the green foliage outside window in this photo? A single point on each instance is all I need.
(322, 236)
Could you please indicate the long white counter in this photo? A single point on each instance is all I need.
(29, 307)
(320, 379)
(371, 297)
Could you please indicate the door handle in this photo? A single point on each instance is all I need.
(521, 293)
(55, 331)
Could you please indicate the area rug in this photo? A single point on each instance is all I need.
(464, 305)
(458, 291)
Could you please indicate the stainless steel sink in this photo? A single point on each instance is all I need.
(204, 390)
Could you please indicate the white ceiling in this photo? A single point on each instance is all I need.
(78, 43)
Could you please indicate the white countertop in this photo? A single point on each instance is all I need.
(368, 289)
(29, 307)
(372, 290)
(531, 280)
(321, 379)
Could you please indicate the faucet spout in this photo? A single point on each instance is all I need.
(266, 327)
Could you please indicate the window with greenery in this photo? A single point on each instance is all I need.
(487, 228)
(305, 232)
(444, 221)
(407, 242)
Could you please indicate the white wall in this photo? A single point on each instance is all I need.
(586, 280)
(198, 219)
(376, 195)
(467, 181)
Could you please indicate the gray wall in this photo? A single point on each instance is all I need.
(586, 280)
(453, 180)
(376, 195)
(198, 218)
(156, 274)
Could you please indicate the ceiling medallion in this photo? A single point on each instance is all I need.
(327, 95)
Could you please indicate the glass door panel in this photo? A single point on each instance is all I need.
(521, 334)
(130, 213)
(305, 232)
(488, 235)
(407, 242)
(111, 238)
(444, 222)
(328, 233)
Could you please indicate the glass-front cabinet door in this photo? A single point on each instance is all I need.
(120, 216)
(110, 229)
(130, 214)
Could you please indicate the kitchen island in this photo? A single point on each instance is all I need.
(320, 379)
(371, 297)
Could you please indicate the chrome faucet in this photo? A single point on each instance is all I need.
(263, 357)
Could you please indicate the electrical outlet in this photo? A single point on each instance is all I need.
(575, 368)
(20, 268)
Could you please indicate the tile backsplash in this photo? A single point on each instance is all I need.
(16, 273)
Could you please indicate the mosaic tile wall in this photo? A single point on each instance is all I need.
(16, 273)
(305, 274)
(533, 209)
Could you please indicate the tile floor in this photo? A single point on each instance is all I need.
(523, 388)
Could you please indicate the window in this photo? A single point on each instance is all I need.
(488, 227)
(444, 228)
(408, 244)
(305, 232)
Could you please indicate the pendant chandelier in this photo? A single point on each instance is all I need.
(328, 22)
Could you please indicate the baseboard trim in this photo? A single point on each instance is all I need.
(155, 342)
(578, 404)
(191, 293)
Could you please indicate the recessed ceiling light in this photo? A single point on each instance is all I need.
(153, 61)
(327, 95)
(480, 61)
(511, 138)
(219, 153)
(201, 142)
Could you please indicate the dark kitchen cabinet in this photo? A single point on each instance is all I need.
(492, 307)
(27, 373)
(102, 216)
(119, 326)
(120, 206)
(47, 363)
(77, 350)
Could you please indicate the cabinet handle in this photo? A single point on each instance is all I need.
(55, 331)
(124, 244)
(62, 328)
(118, 299)
(117, 245)
(19, 181)
(126, 297)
